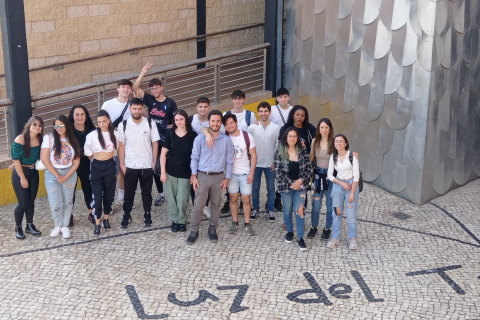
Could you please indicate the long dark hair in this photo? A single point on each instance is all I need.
(318, 136)
(335, 151)
(290, 122)
(57, 144)
(103, 113)
(89, 126)
(26, 134)
(187, 120)
(283, 145)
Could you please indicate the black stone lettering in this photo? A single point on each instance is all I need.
(441, 273)
(137, 305)
(203, 296)
(366, 290)
(339, 294)
(237, 301)
(322, 298)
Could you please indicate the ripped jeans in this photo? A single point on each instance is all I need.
(317, 203)
(339, 200)
(60, 196)
(291, 202)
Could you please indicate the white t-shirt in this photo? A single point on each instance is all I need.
(138, 140)
(197, 126)
(241, 122)
(241, 164)
(266, 141)
(115, 108)
(66, 156)
(92, 145)
(276, 118)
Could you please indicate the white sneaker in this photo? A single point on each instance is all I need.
(55, 232)
(332, 243)
(353, 243)
(65, 232)
(206, 212)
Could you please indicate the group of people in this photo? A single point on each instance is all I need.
(196, 157)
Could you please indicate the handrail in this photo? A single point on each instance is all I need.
(5, 102)
(99, 83)
(48, 66)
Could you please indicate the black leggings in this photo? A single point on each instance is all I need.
(86, 188)
(103, 179)
(26, 197)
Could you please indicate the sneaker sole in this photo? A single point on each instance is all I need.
(302, 249)
(213, 241)
(96, 235)
(288, 241)
(125, 226)
(148, 225)
(271, 220)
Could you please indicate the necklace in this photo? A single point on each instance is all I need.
(80, 132)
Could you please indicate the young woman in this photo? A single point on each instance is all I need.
(100, 146)
(176, 173)
(293, 171)
(61, 156)
(25, 152)
(345, 191)
(83, 125)
(298, 118)
(321, 151)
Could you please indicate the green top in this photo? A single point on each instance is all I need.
(17, 154)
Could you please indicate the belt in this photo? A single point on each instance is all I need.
(29, 166)
(211, 173)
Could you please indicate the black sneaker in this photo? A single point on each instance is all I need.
(226, 208)
(147, 219)
(174, 227)
(326, 234)
(127, 219)
(19, 233)
(278, 204)
(70, 224)
(106, 224)
(96, 231)
(212, 234)
(91, 218)
(289, 237)
(270, 216)
(254, 214)
(301, 244)
(192, 237)
(313, 231)
(32, 230)
(182, 228)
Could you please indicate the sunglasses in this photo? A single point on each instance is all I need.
(36, 124)
(60, 126)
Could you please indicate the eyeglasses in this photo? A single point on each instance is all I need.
(291, 137)
(60, 126)
(36, 124)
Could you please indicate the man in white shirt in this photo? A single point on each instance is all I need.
(118, 110)
(265, 134)
(242, 172)
(138, 153)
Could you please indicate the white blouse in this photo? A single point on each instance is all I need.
(92, 145)
(345, 169)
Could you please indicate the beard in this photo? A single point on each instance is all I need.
(215, 130)
(134, 116)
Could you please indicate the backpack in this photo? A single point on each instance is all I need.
(248, 115)
(125, 126)
(247, 140)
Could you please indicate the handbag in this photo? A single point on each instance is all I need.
(39, 165)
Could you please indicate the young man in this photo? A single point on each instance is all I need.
(279, 116)
(242, 172)
(118, 110)
(266, 137)
(161, 109)
(138, 153)
(211, 170)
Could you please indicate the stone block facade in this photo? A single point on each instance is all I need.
(62, 30)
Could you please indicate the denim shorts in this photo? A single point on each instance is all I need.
(238, 182)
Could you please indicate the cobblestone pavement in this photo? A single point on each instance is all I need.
(423, 267)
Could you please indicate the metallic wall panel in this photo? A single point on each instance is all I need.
(401, 78)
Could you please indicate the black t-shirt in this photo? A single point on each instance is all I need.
(161, 113)
(293, 169)
(84, 166)
(179, 153)
(303, 132)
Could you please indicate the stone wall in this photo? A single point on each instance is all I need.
(63, 30)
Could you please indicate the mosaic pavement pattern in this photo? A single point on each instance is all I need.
(413, 262)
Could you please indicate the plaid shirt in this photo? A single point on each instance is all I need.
(281, 172)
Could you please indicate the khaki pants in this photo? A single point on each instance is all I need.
(178, 192)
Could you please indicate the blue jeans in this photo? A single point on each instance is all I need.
(60, 196)
(257, 179)
(292, 201)
(317, 202)
(339, 198)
